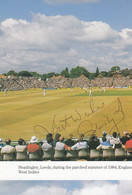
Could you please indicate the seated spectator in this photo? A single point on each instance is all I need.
(50, 135)
(104, 145)
(33, 146)
(80, 137)
(93, 142)
(48, 143)
(8, 148)
(108, 137)
(1, 143)
(115, 141)
(104, 134)
(60, 145)
(81, 144)
(21, 147)
(69, 142)
(125, 137)
(56, 139)
(128, 145)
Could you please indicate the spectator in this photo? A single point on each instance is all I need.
(115, 141)
(128, 144)
(1, 143)
(33, 146)
(104, 134)
(8, 148)
(48, 143)
(60, 145)
(69, 142)
(81, 136)
(56, 139)
(125, 137)
(104, 145)
(81, 144)
(93, 142)
(21, 147)
(108, 137)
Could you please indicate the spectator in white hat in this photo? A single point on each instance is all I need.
(33, 146)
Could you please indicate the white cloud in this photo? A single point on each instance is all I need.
(96, 31)
(45, 190)
(126, 34)
(104, 187)
(55, 42)
(125, 187)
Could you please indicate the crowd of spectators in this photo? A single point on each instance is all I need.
(115, 82)
(21, 83)
(51, 145)
(102, 82)
(122, 81)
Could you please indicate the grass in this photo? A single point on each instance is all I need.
(110, 92)
(27, 113)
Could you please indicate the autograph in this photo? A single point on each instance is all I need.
(83, 120)
(114, 121)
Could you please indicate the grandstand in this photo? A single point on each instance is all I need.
(22, 83)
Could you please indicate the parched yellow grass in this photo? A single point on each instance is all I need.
(27, 113)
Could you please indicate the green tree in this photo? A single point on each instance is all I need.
(91, 75)
(65, 73)
(43, 77)
(25, 73)
(109, 74)
(12, 72)
(125, 72)
(115, 69)
(97, 72)
(130, 72)
(104, 73)
(78, 71)
(35, 74)
(48, 75)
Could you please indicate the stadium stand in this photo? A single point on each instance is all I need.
(22, 83)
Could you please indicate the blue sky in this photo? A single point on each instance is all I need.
(115, 12)
(87, 33)
(66, 187)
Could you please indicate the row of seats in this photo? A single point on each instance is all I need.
(94, 154)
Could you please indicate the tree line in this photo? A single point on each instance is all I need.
(74, 73)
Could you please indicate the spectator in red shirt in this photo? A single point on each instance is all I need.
(128, 144)
(33, 146)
